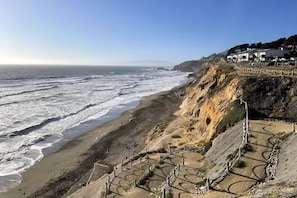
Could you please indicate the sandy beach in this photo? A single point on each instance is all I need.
(111, 142)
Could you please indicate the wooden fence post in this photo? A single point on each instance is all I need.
(227, 166)
(183, 161)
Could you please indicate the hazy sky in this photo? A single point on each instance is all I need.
(138, 32)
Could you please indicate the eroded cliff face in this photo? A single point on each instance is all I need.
(272, 97)
(205, 103)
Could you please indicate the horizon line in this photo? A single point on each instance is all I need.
(93, 65)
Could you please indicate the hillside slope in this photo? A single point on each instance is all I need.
(211, 105)
(198, 65)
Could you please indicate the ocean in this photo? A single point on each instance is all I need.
(41, 108)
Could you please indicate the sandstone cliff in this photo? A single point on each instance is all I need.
(208, 99)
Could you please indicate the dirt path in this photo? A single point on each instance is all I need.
(184, 186)
(189, 175)
(124, 181)
(262, 134)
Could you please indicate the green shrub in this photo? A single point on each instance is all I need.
(285, 136)
(107, 192)
(201, 183)
(235, 113)
(239, 164)
(161, 150)
(143, 178)
(176, 136)
(232, 155)
(207, 145)
(248, 148)
(224, 69)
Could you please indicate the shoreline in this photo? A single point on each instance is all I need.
(120, 137)
(85, 127)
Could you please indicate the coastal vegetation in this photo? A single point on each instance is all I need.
(235, 113)
(292, 40)
(207, 145)
(201, 183)
(247, 148)
(222, 77)
(224, 68)
(176, 136)
(232, 155)
(239, 164)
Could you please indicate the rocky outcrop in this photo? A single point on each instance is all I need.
(198, 65)
(190, 66)
(272, 97)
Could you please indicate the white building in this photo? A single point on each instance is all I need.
(232, 58)
(245, 56)
(265, 54)
(257, 55)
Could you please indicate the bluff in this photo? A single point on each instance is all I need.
(198, 65)
(211, 105)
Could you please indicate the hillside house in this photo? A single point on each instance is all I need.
(268, 54)
(232, 58)
(245, 56)
(258, 55)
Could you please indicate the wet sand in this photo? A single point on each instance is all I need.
(113, 141)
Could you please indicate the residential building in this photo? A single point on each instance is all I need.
(232, 58)
(245, 55)
(267, 54)
(258, 55)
